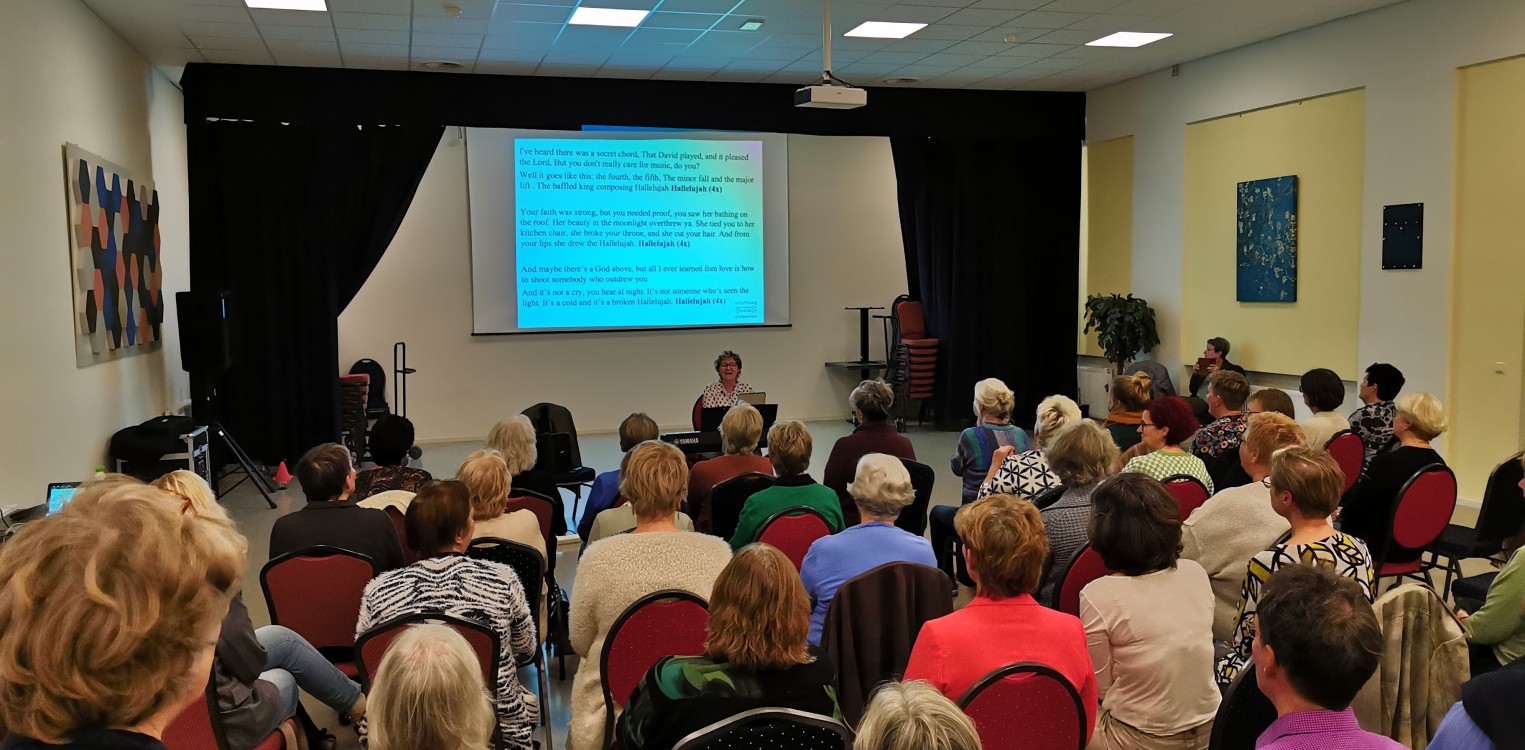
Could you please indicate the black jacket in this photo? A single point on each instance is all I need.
(339, 524)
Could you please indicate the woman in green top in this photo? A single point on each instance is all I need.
(1496, 631)
(789, 451)
(1166, 424)
(756, 657)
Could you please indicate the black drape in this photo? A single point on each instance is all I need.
(288, 221)
(992, 242)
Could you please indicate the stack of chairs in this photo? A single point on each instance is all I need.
(913, 362)
(354, 400)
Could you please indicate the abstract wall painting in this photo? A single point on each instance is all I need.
(1267, 246)
(114, 259)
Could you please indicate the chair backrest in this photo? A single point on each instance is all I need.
(698, 411)
(534, 502)
(771, 728)
(316, 592)
(793, 530)
(662, 623)
(376, 398)
(913, 517)
(1422, 509)
(1243, 714)
(1188, 491)
(528, 564)
(1349, 452)
(1027, 705)
(554, 418)
(1503, 510)
(1084, 567)
(197, 727)
(372, 645)
(399, 522)
(909, 320)
(727, 499)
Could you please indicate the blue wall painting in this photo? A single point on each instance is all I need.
(1267, 248)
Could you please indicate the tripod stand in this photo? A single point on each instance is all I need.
(204, 412)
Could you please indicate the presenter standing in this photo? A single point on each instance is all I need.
(727, 390)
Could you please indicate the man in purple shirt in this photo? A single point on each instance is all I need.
(1318, 642)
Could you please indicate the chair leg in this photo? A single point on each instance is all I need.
(1453, 570)
(541, 667)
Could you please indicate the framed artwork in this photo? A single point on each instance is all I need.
(1403, 236)
(114, 257)
(1267, 241)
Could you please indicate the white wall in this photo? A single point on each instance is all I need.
(69, 78)
(1405, 57)
(845, 249)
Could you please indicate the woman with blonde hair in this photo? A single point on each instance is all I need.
(993, 403)
(1026, 474)
(617, 571)
(109, 613)
(1130, 396)
(912, 715)
(488, 482)
(740, 431)
(755, 657)
(429, 695)
(260, 673)
(514, 438)
(1367, 510)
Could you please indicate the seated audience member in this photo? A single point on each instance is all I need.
(1168, 422)
(1238, 522)
(258, 672)
(617, 571)
(1027, 474)
(914, 716)
(428, 694)
(1367, 510)
(109, 614)
(1217, 443)
(881, 489)
(515, 439)
(487, 481)
(1081, 455)
(1130, 395)
(1319, 642)
(331, 517)
(1488, 715)
(1216, 355)
(740, 430)
(1272, 400)
(444, 580)
(993, 402)
(1305, 488)
(1373, 422)
(389, 441)
(636, 429)
(1161, 385)
(1004, 546)
(1496, 631)
(622, 519)
(1149, 625)
(755, 657)
(871, 402)
(789, 453)
(1323, 392)
(728, 389)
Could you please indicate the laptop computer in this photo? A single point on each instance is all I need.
(59, 495)
(709, 418)
(755, 398)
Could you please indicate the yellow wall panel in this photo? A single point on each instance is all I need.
(1319, 140)
(1109, 224)
(1488, 273)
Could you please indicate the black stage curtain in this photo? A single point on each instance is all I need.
(288, 220)
(992, 235)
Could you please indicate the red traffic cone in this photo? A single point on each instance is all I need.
(282, 476)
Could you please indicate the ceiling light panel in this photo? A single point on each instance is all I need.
(1127, 39)
(586, 16)
(320, 5)
(885, 30)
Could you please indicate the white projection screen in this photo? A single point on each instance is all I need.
(627, 230)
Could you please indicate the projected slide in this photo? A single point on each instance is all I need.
(618, 230)
(653, 232)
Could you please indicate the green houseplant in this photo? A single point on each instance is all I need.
(1124, 326)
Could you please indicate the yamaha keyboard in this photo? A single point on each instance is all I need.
(701, 442)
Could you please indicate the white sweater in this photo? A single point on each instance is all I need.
(613, 574)
(1222, 536)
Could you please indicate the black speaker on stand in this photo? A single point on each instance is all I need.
(206, 353)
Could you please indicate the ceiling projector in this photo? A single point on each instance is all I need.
(830, 96)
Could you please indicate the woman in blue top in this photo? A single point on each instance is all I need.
(993, 402)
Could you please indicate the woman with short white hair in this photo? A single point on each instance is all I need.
(515, 438)
(881, 488)
(429, 695)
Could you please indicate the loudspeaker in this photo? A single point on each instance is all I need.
(204, 343)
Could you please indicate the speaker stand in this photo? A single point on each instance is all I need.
(250, 473)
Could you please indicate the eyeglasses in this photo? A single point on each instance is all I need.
(1142, 425)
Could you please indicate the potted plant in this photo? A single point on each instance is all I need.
(1124, 327)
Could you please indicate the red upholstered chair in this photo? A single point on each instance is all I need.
(373, 643)
(198, 727)
(1420, 513)
(316, 592)
(543, 508)
(399, 522)
(1188, 491)
(1349, 452)
(660, 624)
(1085, 567)
(793, 530)
(698, 409)
(1026, 705)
